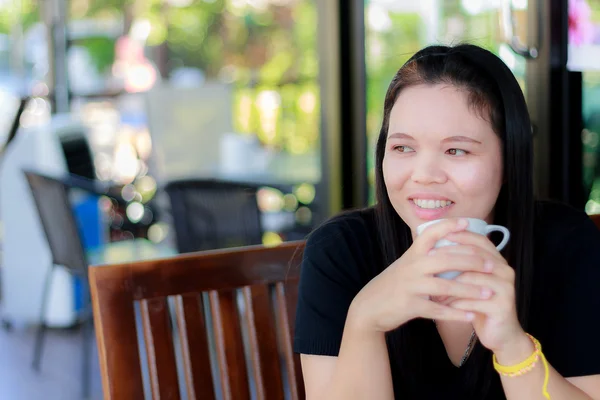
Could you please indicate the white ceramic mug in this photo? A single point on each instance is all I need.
(476, 226)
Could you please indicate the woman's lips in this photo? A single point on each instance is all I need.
(430, 209)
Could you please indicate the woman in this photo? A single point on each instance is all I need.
(373, 321)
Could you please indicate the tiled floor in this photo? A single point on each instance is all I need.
(60, 374)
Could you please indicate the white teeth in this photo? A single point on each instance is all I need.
(431, 204)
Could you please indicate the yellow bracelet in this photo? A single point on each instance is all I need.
(517, 369)
(526, 366)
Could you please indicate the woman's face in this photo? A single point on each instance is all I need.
(442, 159)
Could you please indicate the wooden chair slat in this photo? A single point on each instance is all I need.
(114, 321)
(159, 348)
(263, 342)
(194, 346)
(287, 296)
(229, 345)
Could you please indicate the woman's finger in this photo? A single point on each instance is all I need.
(430, 236)
(473, 239)
(429, 309)
(487, 307)
(495, 263)
(440, 287)
(504, 271)
(494, 282)
(448, 261)
(497, 270)
(468, 249)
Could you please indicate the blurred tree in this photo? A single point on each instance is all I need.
(18, 12)
(262, 47)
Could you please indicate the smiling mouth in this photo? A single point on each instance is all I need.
(431, 204)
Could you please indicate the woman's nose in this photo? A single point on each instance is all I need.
(428, 169)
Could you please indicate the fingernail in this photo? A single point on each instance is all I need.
(488, 266)
(485, 293)
(462, 223)
(470, 316)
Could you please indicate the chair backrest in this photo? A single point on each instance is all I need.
(252, 295)
(8, 136)
(210, 214)
(58, 222)
(596, 219)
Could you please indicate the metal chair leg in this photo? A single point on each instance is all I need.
(41, 332)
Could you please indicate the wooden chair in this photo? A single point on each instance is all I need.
(266, 277)
(596, 219)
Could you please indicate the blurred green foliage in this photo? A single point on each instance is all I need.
(101, 50)
(268, 54)
(24, 12)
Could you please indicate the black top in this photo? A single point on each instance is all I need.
(339, 260)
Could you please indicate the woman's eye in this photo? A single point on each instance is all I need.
(404, 149)
(456, 152)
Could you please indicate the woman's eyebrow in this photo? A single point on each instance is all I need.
(460, 139)
(400, 135)
(451, 139)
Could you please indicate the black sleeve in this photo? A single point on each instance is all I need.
(573, 347)
(332, 273)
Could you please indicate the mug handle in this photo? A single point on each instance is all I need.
(497, 228)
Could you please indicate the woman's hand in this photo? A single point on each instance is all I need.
(496, 322)
(402, 292)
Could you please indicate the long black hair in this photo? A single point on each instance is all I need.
(496, 95)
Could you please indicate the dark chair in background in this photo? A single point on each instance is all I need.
(66, 248)
(268, 281)
(210, 214)
(8, 137)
